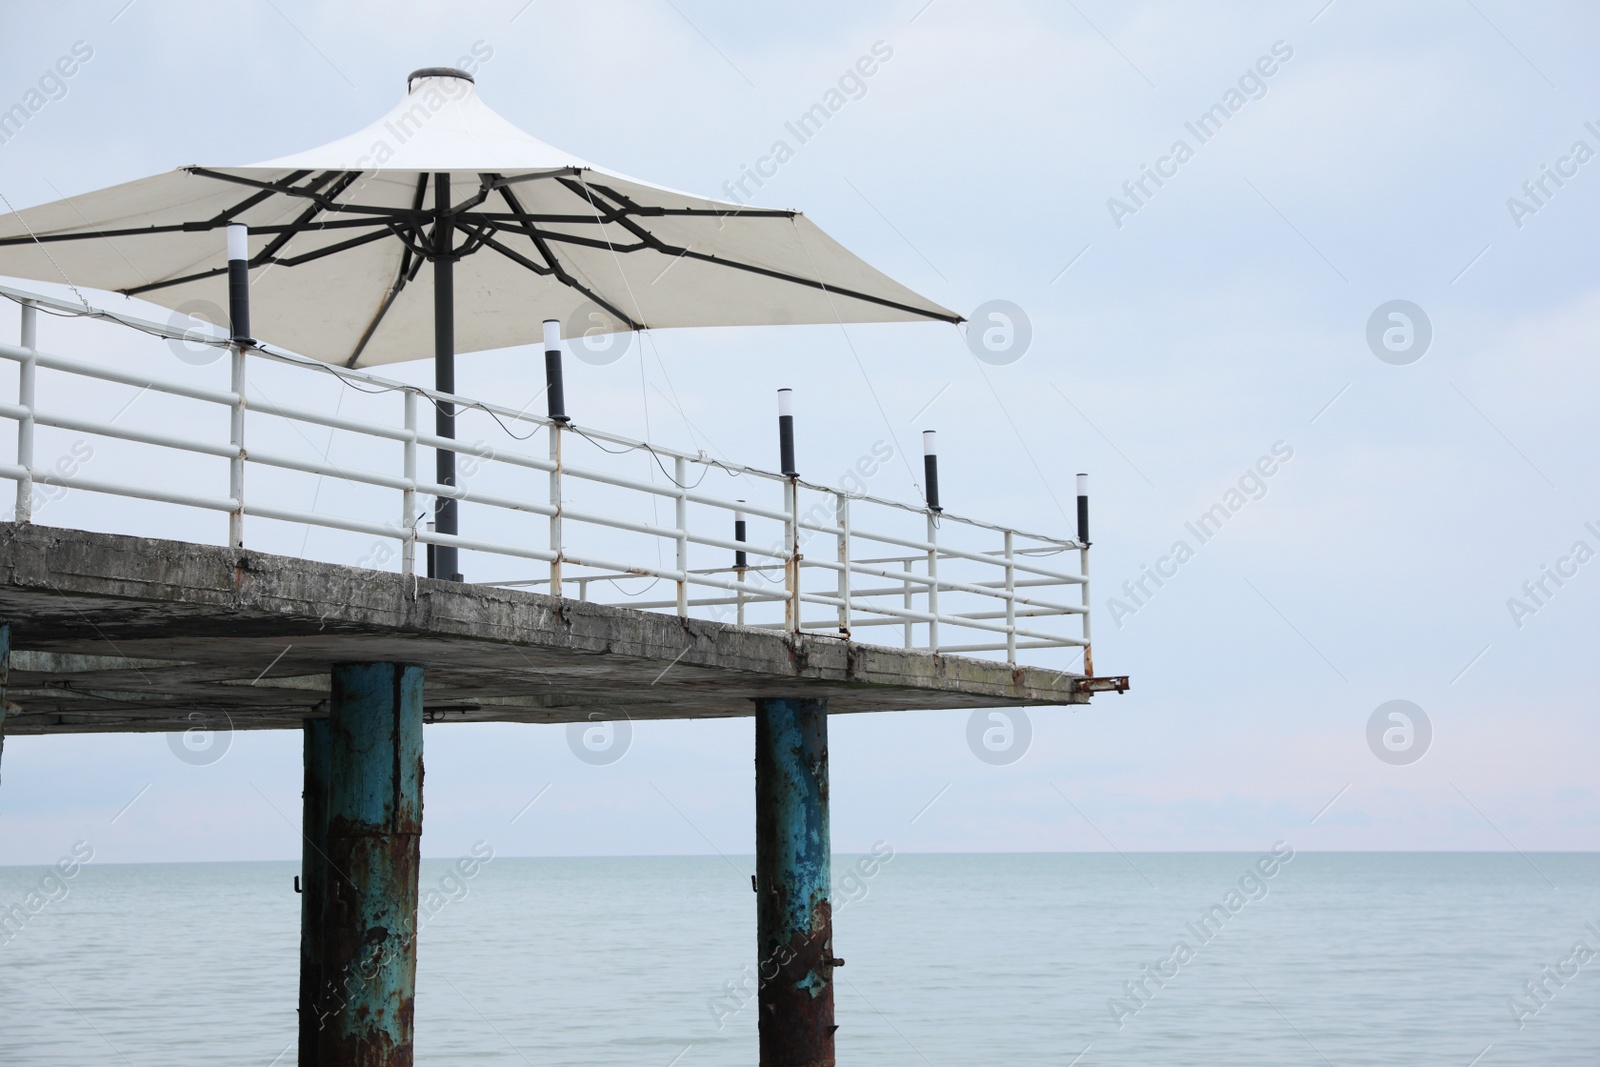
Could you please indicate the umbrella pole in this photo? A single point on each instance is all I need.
(444, 557)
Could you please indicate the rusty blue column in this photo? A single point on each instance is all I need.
(794, 917)
(5, 682)
(313, 881)
(369, 919)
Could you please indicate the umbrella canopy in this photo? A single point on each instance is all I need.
(339, 233)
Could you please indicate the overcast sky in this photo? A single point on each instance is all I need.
(1182, 331)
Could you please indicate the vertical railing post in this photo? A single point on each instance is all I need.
(25, 393)
(841, 504)
(236, 457)
(555, 502)
(1088, 649)
(933, 581)
(910, 601)
(680, 477)
(408, 496)
(1011, 600)
(791, 563)
(1083, 560)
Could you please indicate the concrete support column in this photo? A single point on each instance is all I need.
(369, 918)
(313, 883)
(794, 918)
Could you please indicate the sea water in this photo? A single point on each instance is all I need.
(1331, 958)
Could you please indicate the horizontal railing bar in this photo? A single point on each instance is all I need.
(1001, 647)
(259, 404)
(954, 620)
(66, 422)
(92, 485)
(1042, 613)
(433, 537)
(658, 605)
(947, 552)
(484, 451)
(731, 545)
(330, 470)
(90, 370)
(946, 585)
(943, 584)
(996, 587)
(334, 522)
(666, 532)
(922, 557)
(472, 496)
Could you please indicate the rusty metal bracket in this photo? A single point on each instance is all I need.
(1117, 683)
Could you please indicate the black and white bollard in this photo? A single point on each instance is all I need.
(930, 467)
(239, 283)
(555, 391)
(739, 558)
(1083, 509)
(786, 433)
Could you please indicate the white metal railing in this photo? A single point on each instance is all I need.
(816, 559)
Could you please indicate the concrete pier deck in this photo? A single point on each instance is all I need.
(128, 634)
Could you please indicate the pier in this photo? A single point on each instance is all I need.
(789, 602)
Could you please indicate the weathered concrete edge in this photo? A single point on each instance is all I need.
(306, 596)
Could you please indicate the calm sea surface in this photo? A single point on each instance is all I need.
(1005, 959)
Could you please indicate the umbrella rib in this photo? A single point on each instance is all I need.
(410, 264)
(566, 279)
(654, 243)
(539, 242)
(189, 227)
(365, 209)
(809, 283)
(259, 261)
(47, 238)
(289, 261)
(255, 198)
(342, 246)
(632, 207)
(408, 274)
(310, 213)
(168, 283)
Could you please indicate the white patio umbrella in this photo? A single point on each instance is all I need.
(517, 231)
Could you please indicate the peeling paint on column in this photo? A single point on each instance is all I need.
(794, 917)
(374, 836)
(5, 686)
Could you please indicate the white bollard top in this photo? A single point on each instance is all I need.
(552, 335)
(238, 241)
(930, 442)
(785, 401)
(1083, 485)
